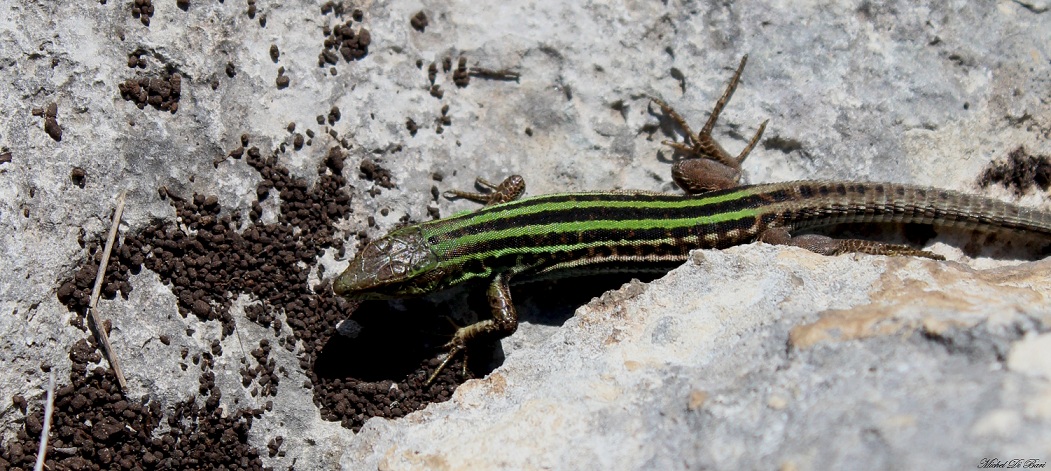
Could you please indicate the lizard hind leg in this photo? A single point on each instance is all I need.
(707, 165)
(825, 245)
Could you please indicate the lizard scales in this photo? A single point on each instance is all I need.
(557, 235)
(562, 234)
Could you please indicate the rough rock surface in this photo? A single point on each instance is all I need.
(752, 357)
(907, 364)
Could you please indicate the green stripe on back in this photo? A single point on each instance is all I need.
(458, 252)
(540, 204)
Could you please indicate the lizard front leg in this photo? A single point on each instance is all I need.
(510, 189)
(505, 317)
(503, 323)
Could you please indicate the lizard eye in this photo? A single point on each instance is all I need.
(390, 267)
(397, 257)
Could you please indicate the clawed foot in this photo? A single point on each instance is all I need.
(508, 190)
(707, 165)
(825, 245)
(454, 347)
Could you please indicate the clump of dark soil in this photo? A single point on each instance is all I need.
(1019, 172)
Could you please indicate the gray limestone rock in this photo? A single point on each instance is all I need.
(753, 357)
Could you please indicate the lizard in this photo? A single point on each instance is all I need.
(569, 234)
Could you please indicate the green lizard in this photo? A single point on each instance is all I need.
(566, 234)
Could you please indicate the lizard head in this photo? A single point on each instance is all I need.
(397, 265)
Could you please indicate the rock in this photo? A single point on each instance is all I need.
(754, 357)
(759, 357)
